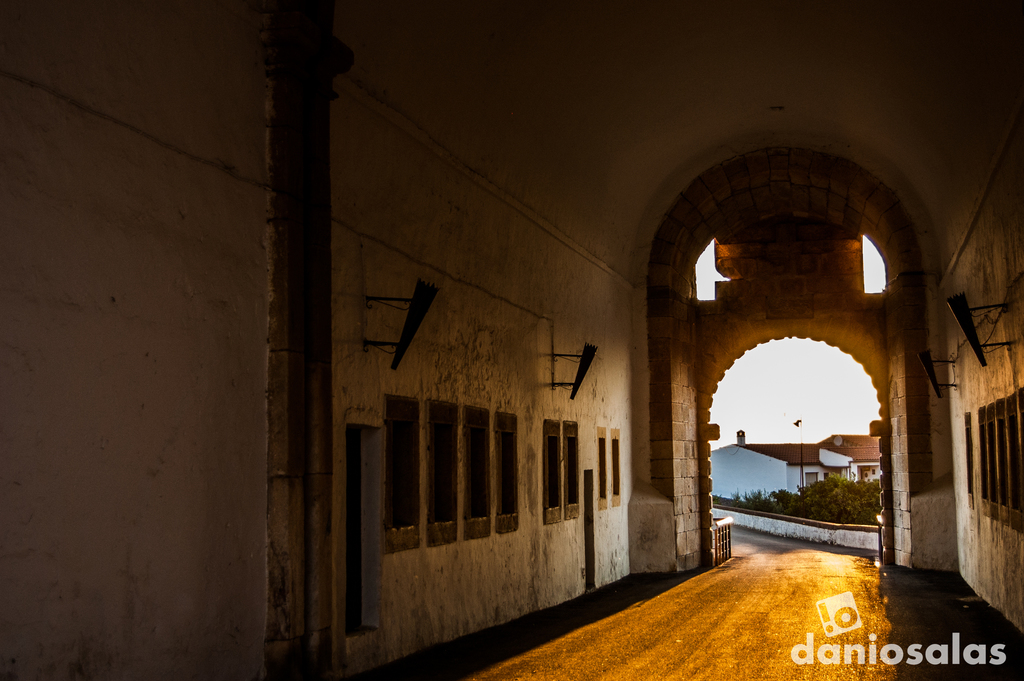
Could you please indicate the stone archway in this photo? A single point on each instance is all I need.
(788, 224)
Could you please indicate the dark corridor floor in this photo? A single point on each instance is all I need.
(738, 621)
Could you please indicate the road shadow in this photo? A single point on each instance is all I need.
(928, 606)
(459, 658)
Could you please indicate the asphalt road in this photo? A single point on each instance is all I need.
(739, 621)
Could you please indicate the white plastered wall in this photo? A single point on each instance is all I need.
(512, 287)
(989, 268)
(736, 470)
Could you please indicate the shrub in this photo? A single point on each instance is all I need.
(791, 503)
(833, 500)
(758, 500)
(839, 500)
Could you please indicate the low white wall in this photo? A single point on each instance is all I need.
(854, 536)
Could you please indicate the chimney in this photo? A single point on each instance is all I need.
(741, 438)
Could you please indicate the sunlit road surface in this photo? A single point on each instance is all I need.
(738, 621)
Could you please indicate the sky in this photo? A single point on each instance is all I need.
(779, 382)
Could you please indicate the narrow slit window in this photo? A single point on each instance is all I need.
(990, 430)
(969, 453)
(443, 483)
(983, 454)
(552, 496)
(478, 473)
(508, 472)
(353, 530)
(1013, 436)
(706, 273)
(442, 503)
(602, 467)
(1001, 475)
(478, 506)
(616, 473)
(874, 267)
(552, 472)
(572, 484)
(405, 508)
(402, 474)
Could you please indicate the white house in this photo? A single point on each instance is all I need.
(745, 467)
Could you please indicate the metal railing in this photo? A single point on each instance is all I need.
(721, 539)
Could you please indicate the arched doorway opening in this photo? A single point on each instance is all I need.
(788, 225)
(771, 385)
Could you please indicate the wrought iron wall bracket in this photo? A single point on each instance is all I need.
(964, 315)
(389, 302)
(417, 307)
(585, 359)
(367, 344)
(1001, 306)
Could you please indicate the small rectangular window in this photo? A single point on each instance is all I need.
(993, 460)
(1001, 467)
(616, 468)
(983, 454)
(402, 474)
(364, 452)
(602, 469)
(1013, 467)
(478, 473)
(505, 439)
(443, 480)
(969, 453)
(353, 529)
(570, 431)
(1013, 437)
(993, 456)
(552, 472)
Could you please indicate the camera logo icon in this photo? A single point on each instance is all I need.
(839, 614)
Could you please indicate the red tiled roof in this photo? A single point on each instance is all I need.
(857, 447)
(859, 453)
(787, 451)
(850, 441)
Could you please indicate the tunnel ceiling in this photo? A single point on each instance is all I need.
(597, 115)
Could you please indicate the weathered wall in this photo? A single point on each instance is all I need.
(988, 266)
(133, 347)
(512, 287)
(800, 288)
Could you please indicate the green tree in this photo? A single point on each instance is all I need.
(840, 500)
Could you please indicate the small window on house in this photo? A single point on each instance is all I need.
(969, 453)
(402, 474)
(443, 482)
(478, 473)
(602, 469)
(570, 431)
(616, 468)
(552, 472)
(505, 439)
(810, 478)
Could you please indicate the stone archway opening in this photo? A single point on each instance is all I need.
(788, 225)
(771, 385)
